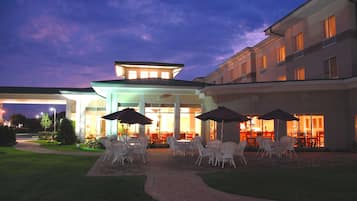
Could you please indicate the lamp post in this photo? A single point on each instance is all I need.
(54, 118)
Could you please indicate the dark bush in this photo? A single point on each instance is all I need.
(66, 133)
(7, 136)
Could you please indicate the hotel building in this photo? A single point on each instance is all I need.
(307, 66)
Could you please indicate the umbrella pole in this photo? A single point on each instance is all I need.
(222, 130)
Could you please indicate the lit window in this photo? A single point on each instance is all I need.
(153, 74)
(330, 27)
(281, 54)
(244, 68)
(300, 73)
(132, 74)
(264, 62)
(282, 78)
(299, 42)
(119, 71)
(165, 75)
(330, 68)
(144, 74)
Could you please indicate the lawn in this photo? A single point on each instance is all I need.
(26, 176)
(73, 148)
(291, 184)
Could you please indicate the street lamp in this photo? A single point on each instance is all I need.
(54, 118)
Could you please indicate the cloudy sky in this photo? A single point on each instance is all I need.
(69, 43)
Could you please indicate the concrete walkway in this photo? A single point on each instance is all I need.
(165, 180)
(169, 184)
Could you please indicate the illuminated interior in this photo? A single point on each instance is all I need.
(249, 130)
(162, 125)
(309, 131)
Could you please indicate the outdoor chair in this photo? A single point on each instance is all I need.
(175, 147)
(121, 153)
(259, 141)
(240, 151)
(203, 153)
(226, 154)
(108, 145)
(267, 148)
(289, 143)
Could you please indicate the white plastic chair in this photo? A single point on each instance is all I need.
(288, 143)
(108, 145)
(240, 151)
(227, 152)
(203, 153)
(175, 146)
(121, 153)
(259, 141)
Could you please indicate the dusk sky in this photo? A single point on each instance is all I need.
(68, 43)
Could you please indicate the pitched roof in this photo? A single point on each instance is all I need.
(41, 90)
(154, 81)
(148, 63)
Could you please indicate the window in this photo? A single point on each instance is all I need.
(264, 62)
(282, 78)
(299, 42)
(300, 73)
(132, 74)
(330, 27)
(330, 68)
(244, 67)
(144, 74)
(153, 74)
(165, 75)
(281, 54)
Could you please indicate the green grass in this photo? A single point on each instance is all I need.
(73, 148)
(26, 176)
(291, 184)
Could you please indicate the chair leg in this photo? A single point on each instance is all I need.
(233, 163)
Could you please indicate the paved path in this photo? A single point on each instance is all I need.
(164, 181)
(26, 145)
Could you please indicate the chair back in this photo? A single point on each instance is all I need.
(288, 142)
(215, 144)
(228, 149)
(259, 140)
(241, 147)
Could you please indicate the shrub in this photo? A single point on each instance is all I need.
(66, 133)
(7, 136)
(44, 135)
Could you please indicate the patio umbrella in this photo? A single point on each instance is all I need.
(222, 114)
(128, 116)
(278, 114)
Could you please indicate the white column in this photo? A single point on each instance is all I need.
(1, 114)
(111, 126)
(177, 117)
(80, 118)
(69, 105)
(142, 111)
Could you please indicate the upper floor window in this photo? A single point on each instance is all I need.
(165, 75)
(280, 55)
(264, 62)
(300, 73)
(144, 74)
(330, 68)
(132, 74)
(244, 68)
(330, 27)
(299, 42)
(154, 74)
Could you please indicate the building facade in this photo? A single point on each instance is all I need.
(305, 66)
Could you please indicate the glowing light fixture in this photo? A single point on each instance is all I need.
(54, 118)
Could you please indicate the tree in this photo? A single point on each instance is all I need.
(45, 121)
(17, 119)
(66, 134)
